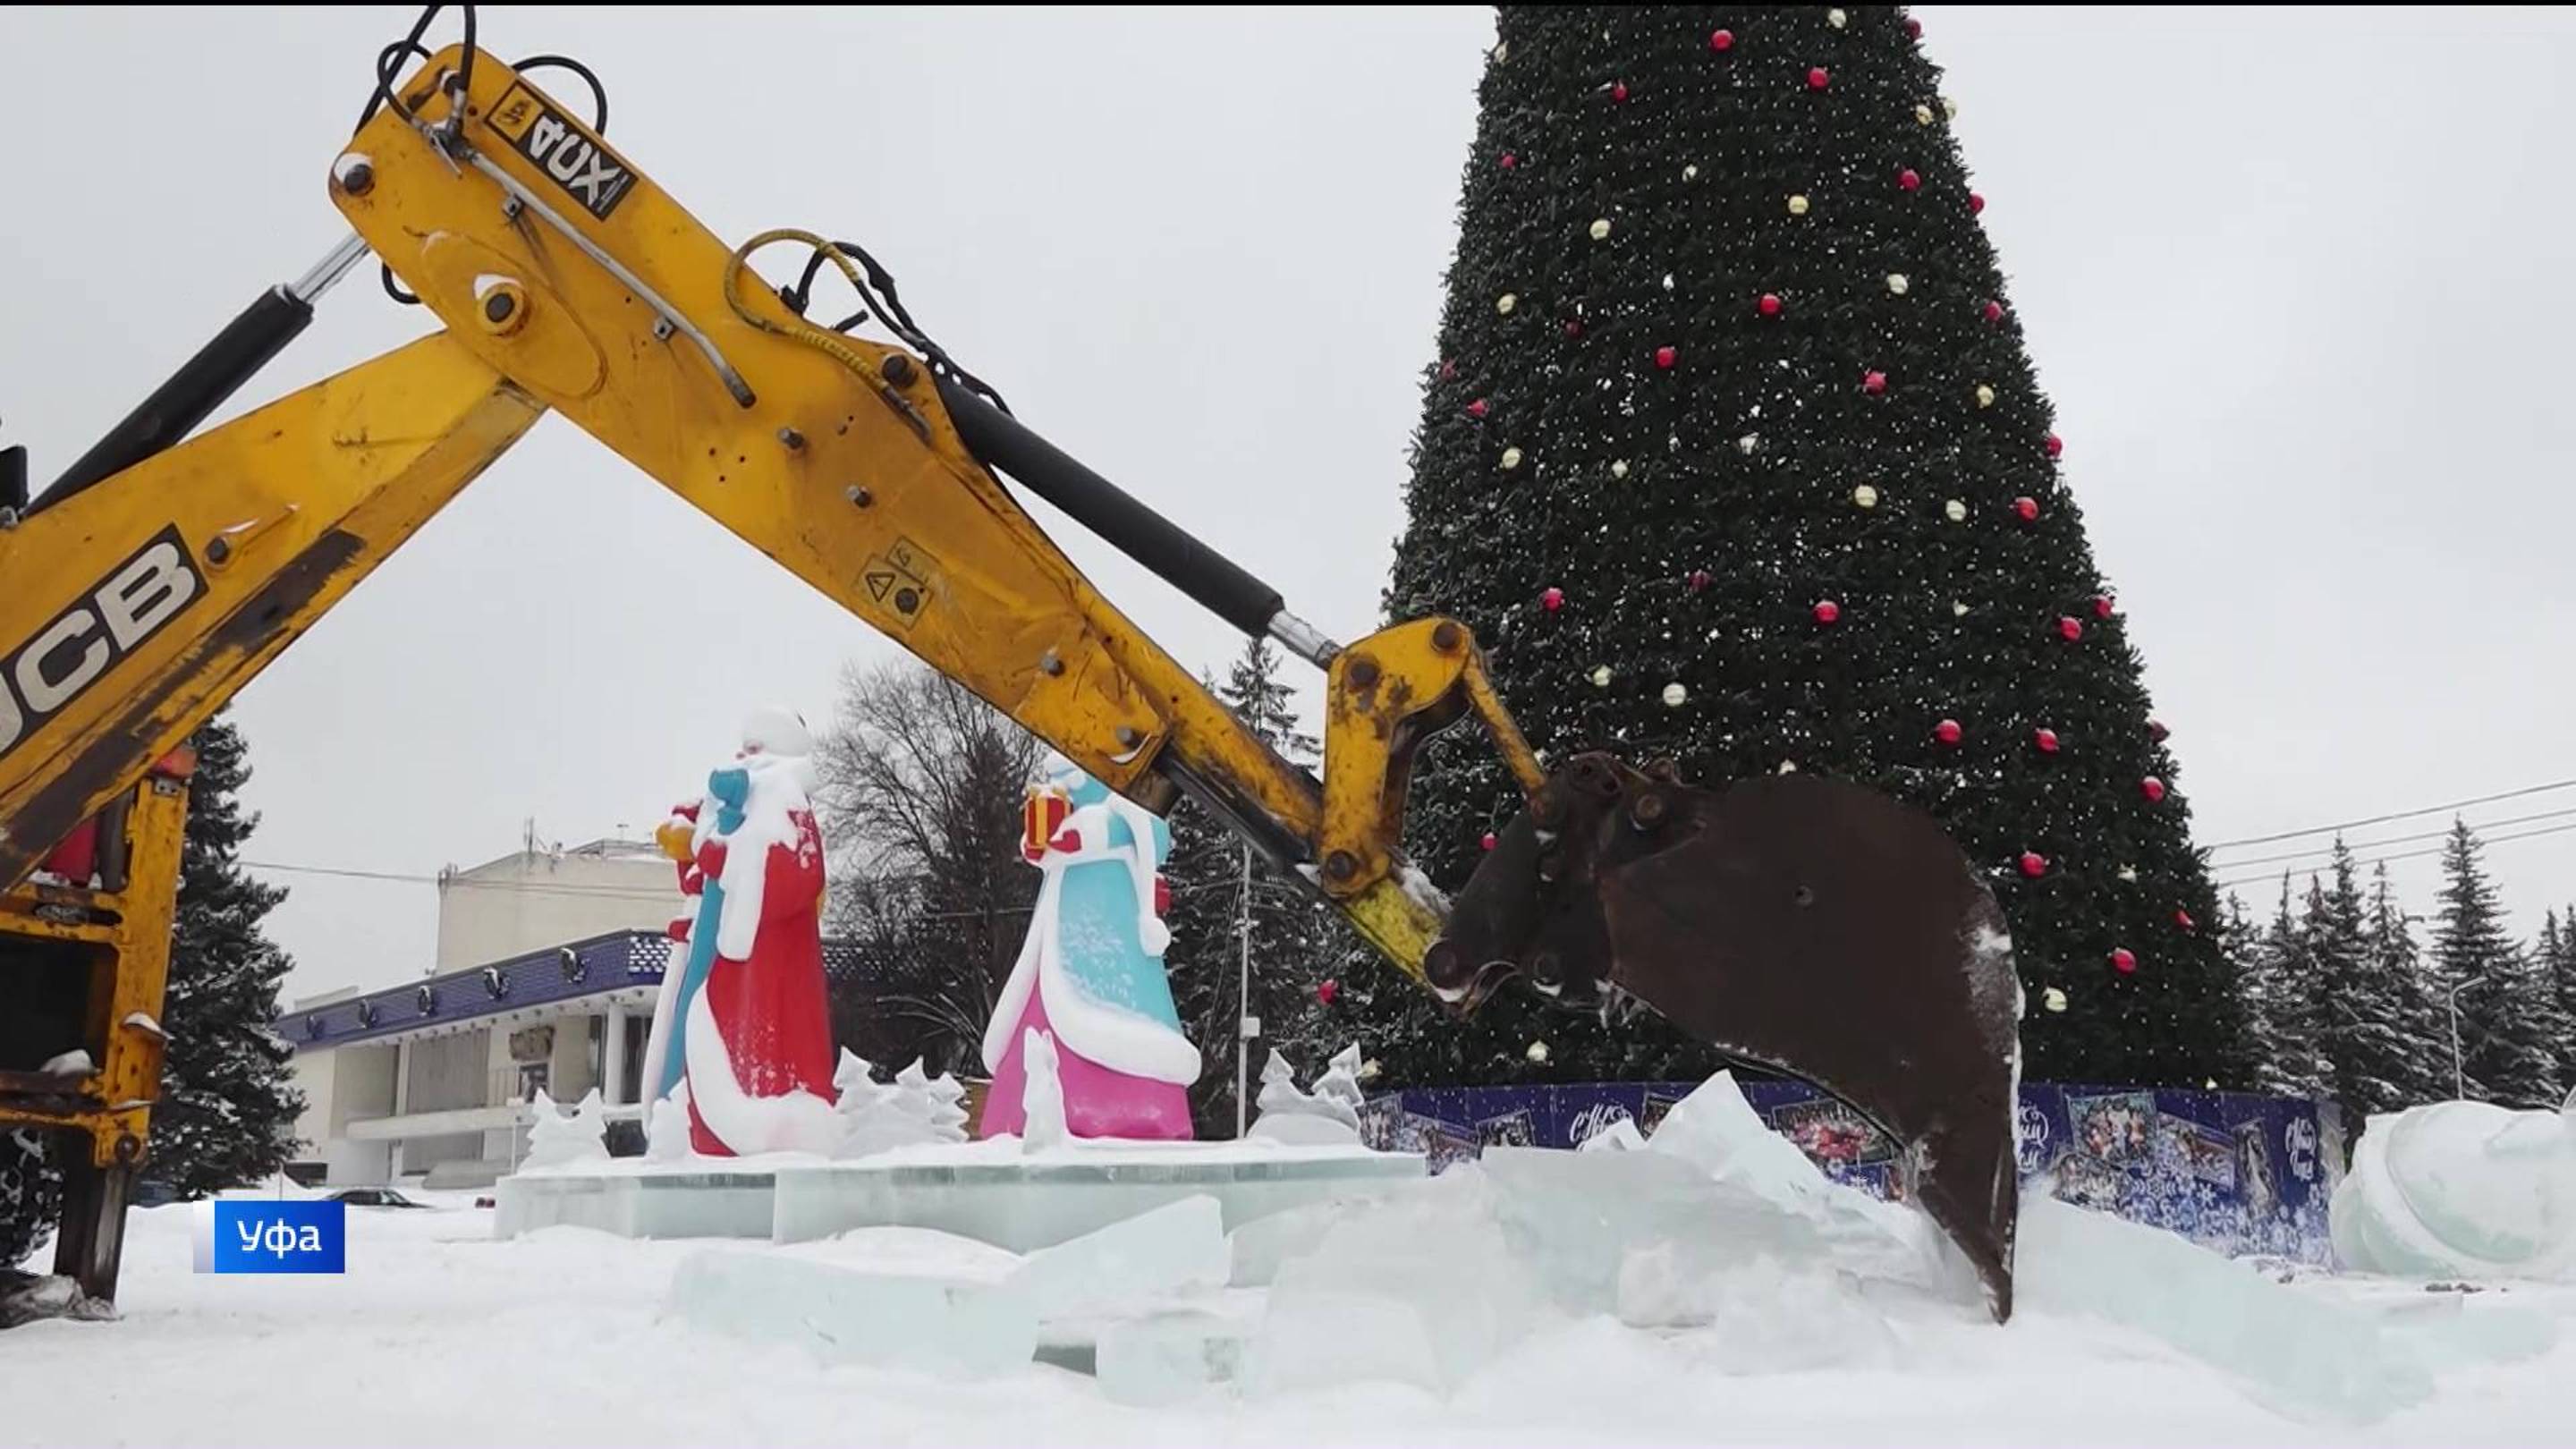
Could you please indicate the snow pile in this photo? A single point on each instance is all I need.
(556, 1140)
(2461, 1189)
(911, 1110)
(1718, 1228)
(1331, 1114)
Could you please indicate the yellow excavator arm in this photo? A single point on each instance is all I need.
(1791, 922)
(568, 281)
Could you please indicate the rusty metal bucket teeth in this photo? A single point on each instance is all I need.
(1792, 922)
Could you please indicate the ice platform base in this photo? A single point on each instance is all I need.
(1025, 1202)
(709, 1200)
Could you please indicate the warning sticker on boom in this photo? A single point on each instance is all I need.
(578, 164)
(899, 579)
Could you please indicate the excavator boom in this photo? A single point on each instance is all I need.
(159, 576)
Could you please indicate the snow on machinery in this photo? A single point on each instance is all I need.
(1800, 924)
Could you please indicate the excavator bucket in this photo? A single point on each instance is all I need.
(1794, 923)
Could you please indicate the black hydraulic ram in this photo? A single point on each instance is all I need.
(205, 381)
(1004, 443)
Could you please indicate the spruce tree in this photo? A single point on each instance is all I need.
(2507, 1011)
(2422, 1064)
(228, 1104)
(2294, 1064)
(2363, 1007)
(31, 1194)
(2557, 964)
(1732, 453)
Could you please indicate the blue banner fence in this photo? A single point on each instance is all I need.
(2244, 1174)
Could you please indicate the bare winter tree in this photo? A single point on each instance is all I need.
(920, 784)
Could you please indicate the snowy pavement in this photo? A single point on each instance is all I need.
(1811, 1321)
(440, 1335)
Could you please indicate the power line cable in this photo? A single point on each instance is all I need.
(2397, 815)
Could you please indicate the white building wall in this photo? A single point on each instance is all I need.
(534, 900)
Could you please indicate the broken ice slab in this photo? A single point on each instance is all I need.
(2303, 1355)
(1178, 1248)
(960, 1324)
(1169, 1358)
(1419, 1288)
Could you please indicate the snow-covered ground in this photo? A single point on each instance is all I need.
(438, 1334)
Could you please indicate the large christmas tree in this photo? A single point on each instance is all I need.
(1732, 453)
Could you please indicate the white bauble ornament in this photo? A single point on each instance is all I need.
(1601, 677)
(1675, 695)
(1985, 396)
(2053, 999)
(1601, 229)
(1896, 283)
(1955, 510)
(1923, 115)
(1865, 496)
(1511, 457)
(1619, 468)
(1837, 19)
(1691, 172)
(1797, 206)
(1747, 444)
(1959, 607)
(1505, 303)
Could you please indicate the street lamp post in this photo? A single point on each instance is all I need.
(2451, 998)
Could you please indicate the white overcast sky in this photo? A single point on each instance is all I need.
(2297, 281)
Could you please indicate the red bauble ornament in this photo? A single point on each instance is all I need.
(2070, 629)
(1509, 161)
(1827, 611)
(2027, 508)
(1913, 28)
(1770, 304)
(1994, 311)
(1698, 580)
(2156, 730)
(2123, 962)
(1552, 599)
(1448, 369)
(1618, 90)
(1478, 408)
(1947, 732)
(1573, 326)
(2183, 919)
(1908, 180)
(1327, 989)
(2152, 788)
(2033, 864)
(2056, 446)
(1818, 78)
(1666, 357)
(1491, 840)
(1721, 40)
(2046, 739)
(1873, 383)
(2102, 606)
(1976, 203)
